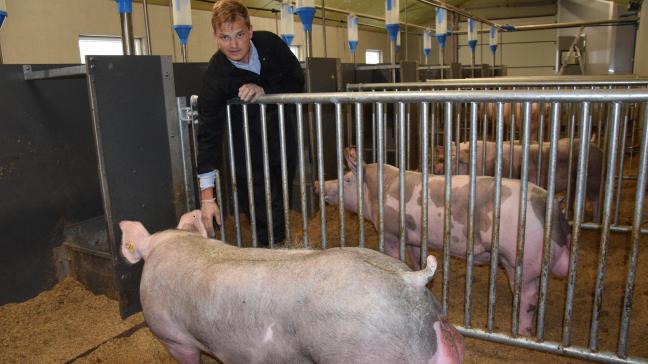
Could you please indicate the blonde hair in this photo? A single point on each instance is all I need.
(228, 11)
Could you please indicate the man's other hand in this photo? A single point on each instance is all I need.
(250, 92)
(209, 210)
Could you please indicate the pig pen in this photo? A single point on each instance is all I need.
(617, 115)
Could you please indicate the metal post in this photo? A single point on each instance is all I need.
(324, 28)
(128, 45)
(309, 43)
(184, 53)
(147, 28)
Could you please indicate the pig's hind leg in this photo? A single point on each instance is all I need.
(183, 353)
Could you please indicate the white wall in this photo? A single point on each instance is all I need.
(641, 51)
(608, 48)
(38, 31)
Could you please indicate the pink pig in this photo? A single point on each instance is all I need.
(248, 305)
(510, 192)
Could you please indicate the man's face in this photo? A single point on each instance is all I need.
(233, 39)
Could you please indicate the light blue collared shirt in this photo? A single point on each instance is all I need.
(254, 65)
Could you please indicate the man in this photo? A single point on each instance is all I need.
(247, 65)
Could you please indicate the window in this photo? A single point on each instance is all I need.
(99, 45)
(296, 51)
(373, 56)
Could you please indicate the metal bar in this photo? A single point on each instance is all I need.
(447, 202)
(401, 179)
(540, 131)
(375, 67)
(360, 173)
(551, 189)
(570, 163)
(266, 177)
(324, 28)
(381, 177)
(472, 191)
(622, 148)
(302, 175)
(128, 44)
(456, 10)
(248, 172)
(549, 347)
(524, 187)
(581, 178)
(424, 109)
(545, 81)
(71, 71)
(634, 95)
(320, 174)
(147, 29)
(284, 171)
(366, 16)
(635, 238)
(497, 208)
(579, 24)
(484, 138)
(605, 231)
(219, 199)
(512, 138)
(340, 171)
(230, 144)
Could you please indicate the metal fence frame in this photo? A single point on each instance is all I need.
(584, 97)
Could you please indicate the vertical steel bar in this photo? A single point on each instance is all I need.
(284, 171)
(340, 171)
(623, 137)
(539, 169)
(472, 190)
(457, 136)
(484, 136)
(497, 209)
(605, 229)
(521, 230)
(266, 176)
(401, 179)
(570, 164)
(512, 137)
(635, 238)
(381, 177)
(248, 172)
(581, 178)
(424, 110)
(447, 201)
(433, 136)
(219, 200)
(551, 189)
(302, 174)
(147, 30)
(360, 174)
(237, 218)
(320, 174)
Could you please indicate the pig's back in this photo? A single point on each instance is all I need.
(293, 309)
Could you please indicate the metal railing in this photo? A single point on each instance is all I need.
(585, 98)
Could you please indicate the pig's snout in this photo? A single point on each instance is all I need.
(438, 168)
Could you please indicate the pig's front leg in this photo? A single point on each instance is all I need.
(528, 305)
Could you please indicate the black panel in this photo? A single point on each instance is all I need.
(188, 78)
(132, 105)
(48, 175)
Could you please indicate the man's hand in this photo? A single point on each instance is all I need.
(250, 92)
(209, 210)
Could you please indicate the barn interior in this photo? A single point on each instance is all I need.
(100, 119)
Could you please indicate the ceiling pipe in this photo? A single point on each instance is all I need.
(456, 10)
(592, 23)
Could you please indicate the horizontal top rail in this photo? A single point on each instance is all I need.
(601, 95)
(546, 81)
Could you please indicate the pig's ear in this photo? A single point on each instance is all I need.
(192, 221)
(135, 241)
(351, 159)
(464, 156)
